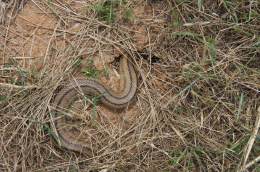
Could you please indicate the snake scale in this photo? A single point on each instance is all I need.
(90, 86)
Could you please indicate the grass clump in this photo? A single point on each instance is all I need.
(105, 9)
(89, 71)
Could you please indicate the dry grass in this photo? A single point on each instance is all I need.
(197, 107)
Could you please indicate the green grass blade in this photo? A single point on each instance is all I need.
(49, 1)
(183, 91)
(197, 157)
(240, 105)
(199, 4)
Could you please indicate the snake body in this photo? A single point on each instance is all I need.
(90, 86)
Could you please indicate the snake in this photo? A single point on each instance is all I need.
(68, 94)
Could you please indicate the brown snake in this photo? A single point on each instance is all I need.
(90, 86)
